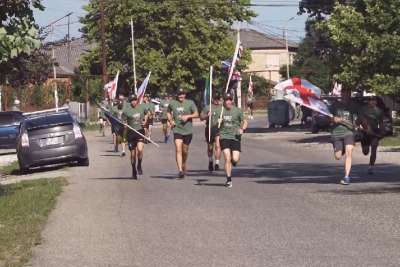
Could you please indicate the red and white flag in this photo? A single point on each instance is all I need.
(111, 87)
(304, 93)
(250, 89)
(142, 89)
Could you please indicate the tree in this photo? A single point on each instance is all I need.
(18, 31)
(365, 45)
(176, 40)
(319, 9)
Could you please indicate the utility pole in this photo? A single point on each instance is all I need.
(103, 44)
(133, 57)
(54, 73)
(69, 39)
(287, 47)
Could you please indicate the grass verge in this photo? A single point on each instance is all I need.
(390, 141)
(9, 169)
(24, 208)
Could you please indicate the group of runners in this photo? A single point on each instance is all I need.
(225, 125)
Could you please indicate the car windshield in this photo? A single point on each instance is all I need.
(45, 120)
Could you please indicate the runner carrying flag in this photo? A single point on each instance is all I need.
(135, 116)
(164, 103)
(232, 127)
(213, 146)
(343, 131)
(181, 113)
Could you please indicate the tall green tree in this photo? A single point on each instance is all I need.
(176, 40)
(18, 31)
(366, 45)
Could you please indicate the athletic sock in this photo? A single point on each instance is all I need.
(229, 179)
(217, 161)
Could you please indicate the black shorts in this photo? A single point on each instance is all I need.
(233, 145)
(134, 138)
(250, 105)
(187, 139)
(214, 134)
(339, 144)
(164, 121)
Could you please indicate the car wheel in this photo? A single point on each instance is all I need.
(83, 162)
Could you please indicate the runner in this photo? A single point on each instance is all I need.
(102, 121)
(250, 105)
(115, 112)
(345, 116)
(164, 118)
(181, 113)
(122, 105)
(150, 110)
(232, 127)
(371, 118)
(213, 146)
(135, 116)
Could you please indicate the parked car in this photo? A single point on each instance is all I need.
(50, 138)
(280, 113)
(10, 122)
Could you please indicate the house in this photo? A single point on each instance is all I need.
(268, 53)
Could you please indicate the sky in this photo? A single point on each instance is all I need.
(270, 19)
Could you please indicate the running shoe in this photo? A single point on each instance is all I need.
(210, 166)
(123, 154)
(228, 184)
(370, 170)
(181, 175)
(216, 167)
(345, 180)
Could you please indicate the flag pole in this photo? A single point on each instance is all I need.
(235, 55)
(133, 58)
(210, 97)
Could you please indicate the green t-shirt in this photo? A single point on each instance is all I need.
(177, 109)
(150, 107)
(232, 120)
(117, 111)
(349, 113)
(164, 108)
(216, 112)
(134, 116)
(373, 116)
(250, 99)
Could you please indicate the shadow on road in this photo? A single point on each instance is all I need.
(290, 128)
(320, 139)
(114, 178)
(310, 173)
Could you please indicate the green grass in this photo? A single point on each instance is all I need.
(390, 141)
(24, 208)
(11, 168)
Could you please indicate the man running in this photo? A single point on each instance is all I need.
(150, 110)
(371, 118)
(135, 116)
(232, 127)
(213, 146)
(114, 130)
(345, 116)
(181, 113)
(164, 103)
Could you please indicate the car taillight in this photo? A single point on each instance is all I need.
(77, 132)
(25, 140)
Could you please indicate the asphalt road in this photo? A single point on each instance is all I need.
(286, 208)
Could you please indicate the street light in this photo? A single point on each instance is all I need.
(287, 46)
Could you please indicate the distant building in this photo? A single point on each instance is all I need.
(268, 53)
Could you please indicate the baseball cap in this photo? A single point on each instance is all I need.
(133, 97)
(216, 95)
(181, 92)
(228, 96)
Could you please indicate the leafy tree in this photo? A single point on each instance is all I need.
(176, 40)
(18, 31)
(366, 44)
(319, 9)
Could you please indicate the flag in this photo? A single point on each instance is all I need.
(227, 64)
(304, 93)
(111, 87)
(143, 87)
(250, 89)
(206, 95)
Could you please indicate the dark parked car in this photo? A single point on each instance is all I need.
(50, 138)
(10, 122)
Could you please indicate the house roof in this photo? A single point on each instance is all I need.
(67, 55)
(253, 39)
